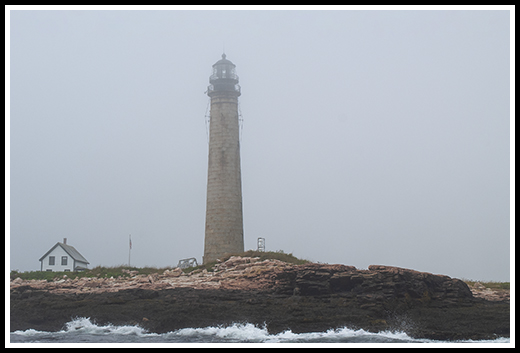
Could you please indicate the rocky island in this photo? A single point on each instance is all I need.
(269, 293)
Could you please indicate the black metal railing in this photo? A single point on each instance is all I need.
(224, 75)
(224, 88)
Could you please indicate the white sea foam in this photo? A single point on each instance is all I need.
(85, 325)
(29, 332)
(83, 330)
(236, 332)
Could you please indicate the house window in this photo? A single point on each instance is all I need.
(51, 260)
(64, 260)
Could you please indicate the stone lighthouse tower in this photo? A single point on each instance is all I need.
(224, 224)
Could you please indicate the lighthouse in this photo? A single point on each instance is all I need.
(224, 222)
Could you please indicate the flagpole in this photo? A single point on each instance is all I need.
(129, 248)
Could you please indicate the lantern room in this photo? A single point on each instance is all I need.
(224, 78)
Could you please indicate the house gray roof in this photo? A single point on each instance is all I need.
(69, 250)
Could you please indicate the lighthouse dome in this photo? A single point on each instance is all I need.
(224, 61)
(224, 78)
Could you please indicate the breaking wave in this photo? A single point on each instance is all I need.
(83, 330)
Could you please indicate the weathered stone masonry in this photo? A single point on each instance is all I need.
(224, 221)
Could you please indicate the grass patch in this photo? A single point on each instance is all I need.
(490, 285)
(122, 271)
(267, 255)
(39, 275)
(98, 271)
(274, 255)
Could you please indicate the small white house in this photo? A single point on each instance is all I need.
(63, 257)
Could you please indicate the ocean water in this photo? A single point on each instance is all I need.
(83, 330)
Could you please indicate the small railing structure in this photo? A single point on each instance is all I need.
(185, 263)
(260, 245)
(235, 88)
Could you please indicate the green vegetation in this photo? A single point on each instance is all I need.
(267, 255)
(123, 271)
(99, 272)
(490, 285)
(274, 255)
(49, 276)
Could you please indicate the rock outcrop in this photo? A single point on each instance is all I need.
(480, 291)
(303, 298)
(244, 273)
(376, 283)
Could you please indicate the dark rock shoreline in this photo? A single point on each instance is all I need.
(302, 298)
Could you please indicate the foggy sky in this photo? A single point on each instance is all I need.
(369, 137)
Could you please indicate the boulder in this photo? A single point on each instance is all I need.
(176, 272)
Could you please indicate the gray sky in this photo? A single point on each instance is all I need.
(369, 137)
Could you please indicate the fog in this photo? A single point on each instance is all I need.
(369, 137)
